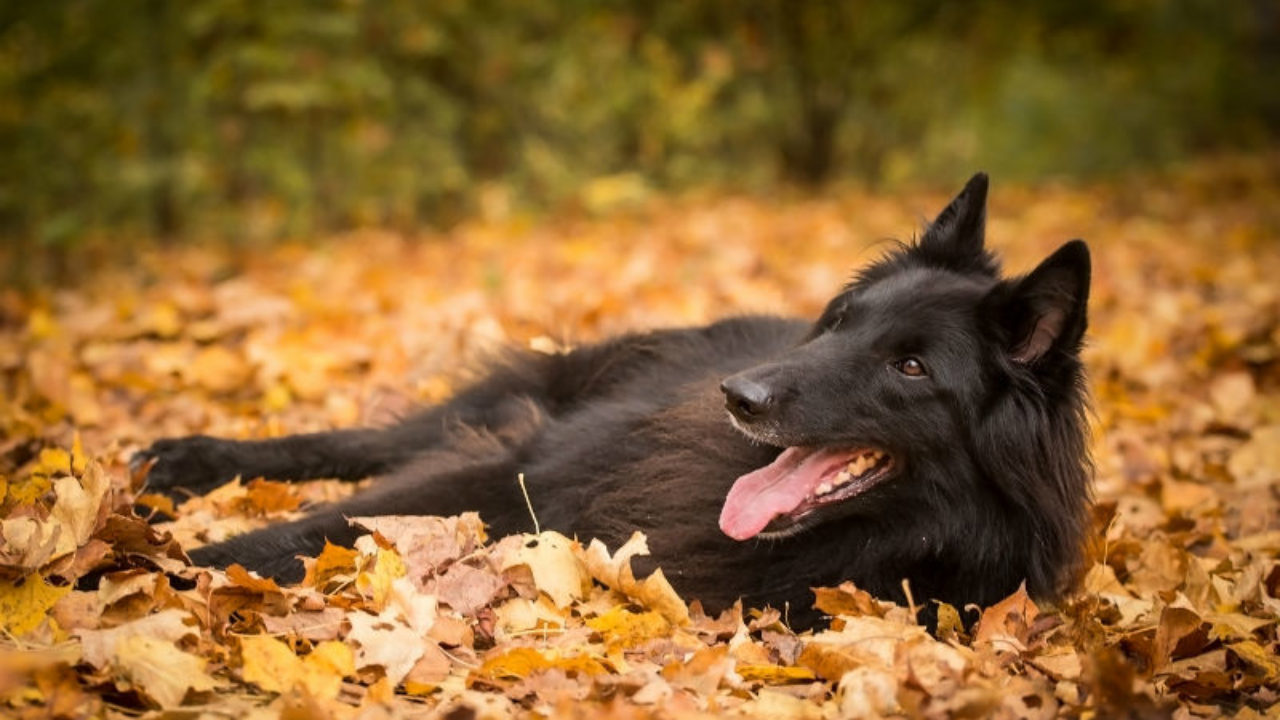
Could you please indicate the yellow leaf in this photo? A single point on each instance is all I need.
(775, 674)
(52, 461)
(79, 461)
(557, 570)
(41, 324)
(1257, 658)
(622, 628)
(377, 582)
(161, 670)
(272, 666)
(29, 490)
(334, 656)
(277, 397)
(334, 562)
(519, 662)
(25, 603)
(269, 663)
(949, 622)
(162, 319)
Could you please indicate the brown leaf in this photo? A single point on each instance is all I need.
(466, 589)
(1007, 624)
(847, 599)
(241, 578)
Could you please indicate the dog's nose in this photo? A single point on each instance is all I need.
(747, 399)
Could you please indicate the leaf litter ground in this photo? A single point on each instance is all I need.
(1176, 613)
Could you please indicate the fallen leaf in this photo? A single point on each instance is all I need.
(622, 628)
(385, 643)
(272, 666)
(557, 569)
(25, 603)
(1008, 622)
(520, 662)
(169, 626)
(1257, 462)
(615, 572)
(161, 670)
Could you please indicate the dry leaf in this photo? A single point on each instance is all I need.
(557, 568)
(100, 646)
(25, 603)
(161, 670)
(386, 643)
(272, 666)
(615, 572)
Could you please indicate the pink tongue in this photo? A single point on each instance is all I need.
(777, 488)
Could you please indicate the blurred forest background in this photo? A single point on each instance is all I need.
(124, 122)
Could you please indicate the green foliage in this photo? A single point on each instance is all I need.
(255, 120)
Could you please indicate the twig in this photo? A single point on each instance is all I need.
(911, 602)
(537, 530)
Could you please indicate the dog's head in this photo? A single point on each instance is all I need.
(909, 375)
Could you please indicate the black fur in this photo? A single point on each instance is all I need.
(990, 478)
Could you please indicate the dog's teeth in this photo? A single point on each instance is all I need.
(824, 488)
(843, 477)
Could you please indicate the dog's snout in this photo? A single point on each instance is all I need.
(747, 399)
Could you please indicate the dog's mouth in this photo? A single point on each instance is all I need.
(773, 500)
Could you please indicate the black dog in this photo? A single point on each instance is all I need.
(929, 426)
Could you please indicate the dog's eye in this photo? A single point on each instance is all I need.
(911, 367)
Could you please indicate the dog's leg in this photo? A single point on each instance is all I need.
(199, 463)
(435, 485)
(507, 404)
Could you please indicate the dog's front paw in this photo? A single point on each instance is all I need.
(185, 466)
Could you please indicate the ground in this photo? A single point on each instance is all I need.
(1176, 611)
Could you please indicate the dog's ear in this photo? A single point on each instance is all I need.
(1046, 311)
(954, 240)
